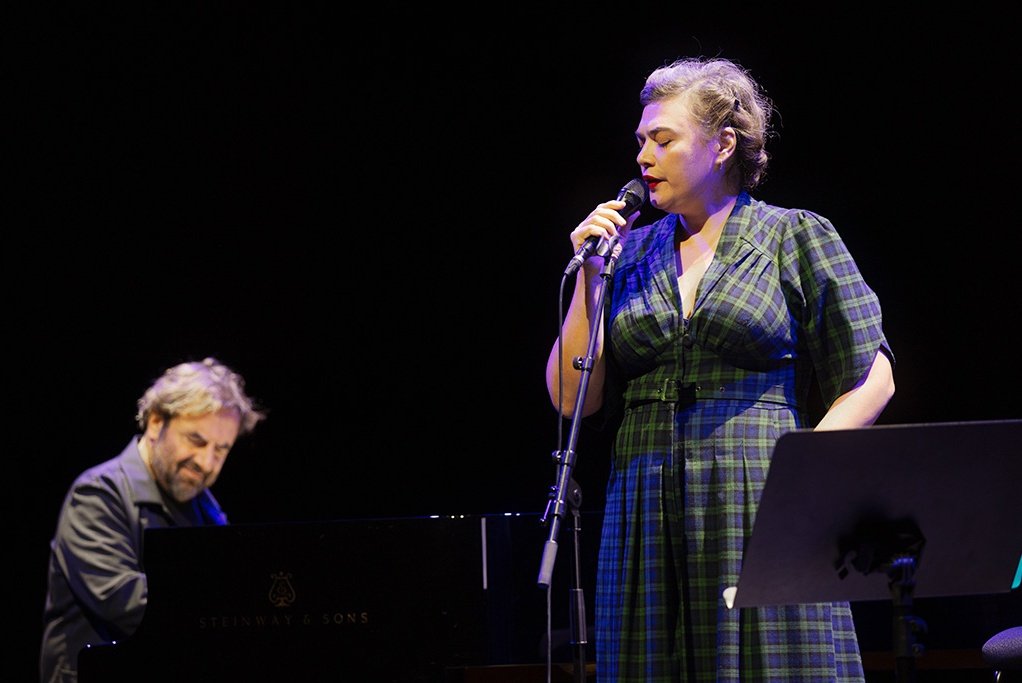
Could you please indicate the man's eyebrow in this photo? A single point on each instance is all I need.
(196, 435)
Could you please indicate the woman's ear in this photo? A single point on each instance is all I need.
(727, 141)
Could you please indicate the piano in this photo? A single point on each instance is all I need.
(403, 600)
(420, 600)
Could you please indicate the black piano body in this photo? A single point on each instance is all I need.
(413, 600)
(403, 600)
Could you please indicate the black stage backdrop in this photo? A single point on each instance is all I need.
(366, 212)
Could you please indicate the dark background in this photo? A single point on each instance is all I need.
(366, 213)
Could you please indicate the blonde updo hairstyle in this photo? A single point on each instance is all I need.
(720, 93)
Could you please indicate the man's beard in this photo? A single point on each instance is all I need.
(170, 478)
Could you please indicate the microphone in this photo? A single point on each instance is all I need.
(633, 194)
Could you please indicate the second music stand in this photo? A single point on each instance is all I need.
(897, 511)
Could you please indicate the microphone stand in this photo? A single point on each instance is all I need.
(566, 491)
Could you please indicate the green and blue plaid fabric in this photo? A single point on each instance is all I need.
(701, 403)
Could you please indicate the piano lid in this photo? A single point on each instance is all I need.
(350, 600)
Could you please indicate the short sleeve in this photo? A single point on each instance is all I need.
(842, 321)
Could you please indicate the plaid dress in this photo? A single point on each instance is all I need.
(701, 402)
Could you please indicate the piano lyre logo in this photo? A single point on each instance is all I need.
(282, 593)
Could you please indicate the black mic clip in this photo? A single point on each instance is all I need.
(610, 259)
(601, 246)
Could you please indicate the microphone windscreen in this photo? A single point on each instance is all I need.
(633, 194)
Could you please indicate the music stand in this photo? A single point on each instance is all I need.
(887, 512)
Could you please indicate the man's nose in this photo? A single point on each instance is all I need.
(206, 458)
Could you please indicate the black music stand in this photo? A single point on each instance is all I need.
(888, 512)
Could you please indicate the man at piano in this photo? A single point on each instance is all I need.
(96, 592)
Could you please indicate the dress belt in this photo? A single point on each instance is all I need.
(671, 390)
